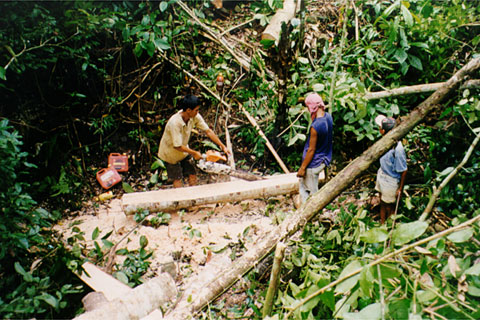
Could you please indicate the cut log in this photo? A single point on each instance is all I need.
(180, 198)
(284, 15)
(419, 88)
(188, 305)
(137, 303)
(103, 282)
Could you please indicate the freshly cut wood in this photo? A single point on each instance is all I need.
(103, 282)
(137, 303)
(180, 198)
(187, 306)
(284, 15)
(419, 88)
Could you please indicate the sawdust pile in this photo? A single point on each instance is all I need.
(192, 241)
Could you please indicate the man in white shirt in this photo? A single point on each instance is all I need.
(174, 149)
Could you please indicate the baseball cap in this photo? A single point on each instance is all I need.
(385, 123)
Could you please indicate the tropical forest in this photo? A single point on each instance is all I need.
(95, 223)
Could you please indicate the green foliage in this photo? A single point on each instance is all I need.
(25, 241)
(135, 265)
(430, 273)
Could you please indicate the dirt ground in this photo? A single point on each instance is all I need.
(193, 241)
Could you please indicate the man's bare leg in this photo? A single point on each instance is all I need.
(192, 180)
(177, 183)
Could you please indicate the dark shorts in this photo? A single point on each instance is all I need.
(181, 169)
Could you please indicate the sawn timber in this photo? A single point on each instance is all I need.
(180, 198)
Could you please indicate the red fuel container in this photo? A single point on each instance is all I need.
(118, 161)
(108, 177)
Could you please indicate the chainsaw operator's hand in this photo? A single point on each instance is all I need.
(197, 155)
(301, 172)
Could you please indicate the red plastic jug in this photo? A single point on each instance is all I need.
(108, 177)
(118, 161)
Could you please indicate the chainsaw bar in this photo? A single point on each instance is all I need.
(219, 168)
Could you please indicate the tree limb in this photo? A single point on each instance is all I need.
(436, 191)
(419, 88)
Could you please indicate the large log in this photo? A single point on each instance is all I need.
(284, 15)
(231, 191)
(137, 303)
(187, 306)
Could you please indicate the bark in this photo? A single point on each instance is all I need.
(272, 287)
(272, 31)
(187, 306)
(137, 303)
(419, 88)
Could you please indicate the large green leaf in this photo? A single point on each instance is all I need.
(3, 73)
(473, 270)
(349, 283)
(461, 236)
(162, 44)
(48, 298)
(312, 303)
(370, 312)
(401, 55)
(127, 188)
(408, 231)
(473, 290)
(415, 62)
(366, 281)
(374, 235)
(163, 6)
(407, 15)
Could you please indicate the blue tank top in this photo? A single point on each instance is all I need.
(323, 151)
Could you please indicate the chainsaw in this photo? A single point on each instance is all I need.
(208, 163)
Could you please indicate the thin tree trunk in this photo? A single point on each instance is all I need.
(337, 58)
(272, 287)
(436, 191)
(419, 88)
(260, 132)
(191, 304)
(284, 15)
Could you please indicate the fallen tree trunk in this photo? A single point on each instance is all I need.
(190, 304)
(238, 190)
(272, 31)
(419, 88)
(137, 303)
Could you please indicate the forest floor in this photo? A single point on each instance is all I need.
(192, 246)
(191, 242)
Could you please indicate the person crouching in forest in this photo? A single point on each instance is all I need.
(392, 172)
(317, 152)
(174, 149)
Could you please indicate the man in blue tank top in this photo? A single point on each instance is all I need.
(317, 153)
(392, 172)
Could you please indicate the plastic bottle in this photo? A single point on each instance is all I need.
(105, 196)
